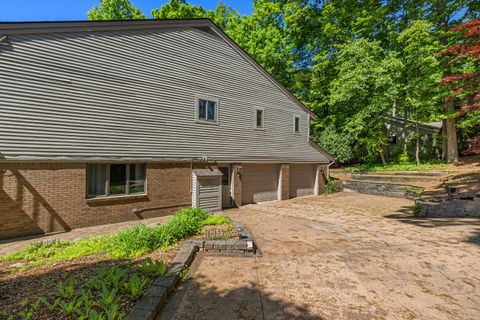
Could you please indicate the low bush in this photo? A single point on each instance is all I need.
(215, 220)
(333, 185)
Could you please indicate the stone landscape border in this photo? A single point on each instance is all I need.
(449, 209)
(151, 303)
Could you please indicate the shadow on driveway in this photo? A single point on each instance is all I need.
(199, 298)
(405, 215)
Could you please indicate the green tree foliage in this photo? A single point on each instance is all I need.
(340, 144)
(421, 74)
(363, 91)
(115, 10)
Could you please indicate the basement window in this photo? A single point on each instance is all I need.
(105, 180)
(207, 110)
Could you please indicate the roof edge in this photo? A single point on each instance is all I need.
(322, 150)
(36, 27)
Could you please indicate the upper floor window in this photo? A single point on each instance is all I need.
(207, 110)
(259, 117)
(296, 124)
(115, 179)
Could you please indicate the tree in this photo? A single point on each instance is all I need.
(421, 72)
(115, 10)
(178, 9)
(463, 76)
(363, 92)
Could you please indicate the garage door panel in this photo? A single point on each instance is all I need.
(259, 183)
(302, 180)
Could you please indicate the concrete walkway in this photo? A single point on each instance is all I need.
(15, 244)
(344, 256)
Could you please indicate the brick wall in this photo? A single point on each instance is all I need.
(49, 197)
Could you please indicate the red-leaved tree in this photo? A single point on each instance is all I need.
(465, 56)
(463, 69)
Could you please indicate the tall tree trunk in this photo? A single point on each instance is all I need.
(417, 147)
(452, 143)
(382, 156)
(444, 140)
(405, 131)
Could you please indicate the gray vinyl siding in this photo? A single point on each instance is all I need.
(131, 95)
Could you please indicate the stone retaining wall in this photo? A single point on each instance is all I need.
(452, 208)
(380, 189)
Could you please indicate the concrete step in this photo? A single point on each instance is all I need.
(381, 189)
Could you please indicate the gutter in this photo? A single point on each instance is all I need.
(328, 168)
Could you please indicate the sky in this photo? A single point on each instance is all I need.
(54, 10)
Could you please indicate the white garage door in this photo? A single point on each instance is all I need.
(259, 182)
(302, 180)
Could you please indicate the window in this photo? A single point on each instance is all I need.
(296, 124)
(207, 110)
(392, 139)
(259, 118)
(115, 179)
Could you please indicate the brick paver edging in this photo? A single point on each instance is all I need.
(150, 304)
(245, 244)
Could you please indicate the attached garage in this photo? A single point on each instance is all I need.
(259, 182)
(302, 180)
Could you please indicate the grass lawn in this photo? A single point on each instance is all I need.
(100, 277)
(432, 166)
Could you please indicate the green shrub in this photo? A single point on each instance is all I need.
(402, 158)
(215, 220)
(333, 185)
(135, 241)
(337, 143)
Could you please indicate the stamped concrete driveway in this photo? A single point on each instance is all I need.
(344, 256)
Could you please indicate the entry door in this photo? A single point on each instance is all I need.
(226, 186)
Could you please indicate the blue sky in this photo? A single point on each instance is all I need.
(51, 10)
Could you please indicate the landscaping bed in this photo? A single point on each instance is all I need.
(101, 277)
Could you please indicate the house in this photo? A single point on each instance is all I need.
(112, 121)
(430, 137)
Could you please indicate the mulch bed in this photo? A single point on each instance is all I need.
(16, 286)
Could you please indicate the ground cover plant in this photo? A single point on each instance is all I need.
(130, 243)
(100, 277)
(430, 166)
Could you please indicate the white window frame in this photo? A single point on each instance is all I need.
(217, 109)
(299, 117)
(107, 182)
(255, 109)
